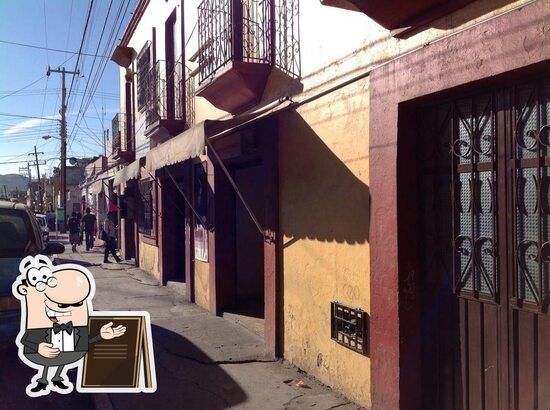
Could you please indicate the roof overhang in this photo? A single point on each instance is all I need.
(127, 173)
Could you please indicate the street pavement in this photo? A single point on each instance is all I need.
(202, 361)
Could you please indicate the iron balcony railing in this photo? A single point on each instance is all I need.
(253, 31)
(169, 94)
(118, 130)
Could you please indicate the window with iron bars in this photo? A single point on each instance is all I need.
(252, 31)
(143, 67)
(145, 213)
(171, 93)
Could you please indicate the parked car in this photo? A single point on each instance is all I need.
(43, 222)
(20, 235)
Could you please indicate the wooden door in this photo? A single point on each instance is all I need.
(484, 165)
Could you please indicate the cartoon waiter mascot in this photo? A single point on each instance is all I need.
(55, 304)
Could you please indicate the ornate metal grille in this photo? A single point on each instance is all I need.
(189, 88)
(185, 93)
(474, 182)
(118, 130)
(215, 36)
(253, 31)
(287, 31)
(143, 67)
(167, 94)
(532, 193)
(115, 130)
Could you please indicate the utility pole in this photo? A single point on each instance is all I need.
(105, 142)
(29, 198)
(39, 181)
(5, 192)
(63, 138)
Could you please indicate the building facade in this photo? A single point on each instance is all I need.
(367, 183)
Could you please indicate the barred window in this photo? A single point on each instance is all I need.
(145, 215)
(143, 68)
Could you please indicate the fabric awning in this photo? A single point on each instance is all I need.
(188, 144)
(96, 187)
(191, 143)
(127, 173)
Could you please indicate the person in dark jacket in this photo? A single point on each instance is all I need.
(74, 231)
(89, 226)
(110, 244)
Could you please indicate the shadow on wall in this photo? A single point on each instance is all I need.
(322, 199)
(462, 16)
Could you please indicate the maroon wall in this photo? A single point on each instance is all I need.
(515, 40)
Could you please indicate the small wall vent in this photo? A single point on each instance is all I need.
(349, 327)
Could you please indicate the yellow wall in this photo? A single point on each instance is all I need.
(324, 197)
(202, 297)
(324, 193)
(149, 258)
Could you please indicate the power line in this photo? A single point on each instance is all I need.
(21, 89)
(39, 91)
(97, 48)
(27, 116)
(57, 50)
(100, 75)
(81, 45)
(108, 49)
(46, 32)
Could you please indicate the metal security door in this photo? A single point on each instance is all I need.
(479, 276)
(485, 226)
(528, 167)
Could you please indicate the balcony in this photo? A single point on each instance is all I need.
(240, 42)
(400, 17)
(169, 103)
(122, 149)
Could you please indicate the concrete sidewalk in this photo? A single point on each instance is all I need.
(202, 361)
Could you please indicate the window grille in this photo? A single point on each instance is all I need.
(143, 67)
(145, 217)
(349, 327)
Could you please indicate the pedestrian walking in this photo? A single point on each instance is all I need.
(89, 227)
(74, 231)
(79, 220)
(109, 227)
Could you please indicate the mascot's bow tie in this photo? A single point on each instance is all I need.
(58, 328)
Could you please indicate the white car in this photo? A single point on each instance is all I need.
(43, 222)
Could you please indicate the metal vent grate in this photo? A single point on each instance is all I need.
(349, 327)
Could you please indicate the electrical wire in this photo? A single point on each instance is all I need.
(56, 50)
(97, 48)
(81, 45)
(21, 89)
(27, 116)
(109, 45)
(46, 32)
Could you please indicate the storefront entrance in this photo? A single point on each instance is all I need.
(484, 248)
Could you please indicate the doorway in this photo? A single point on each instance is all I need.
(173, 221)
(484, 248)
(249, 249)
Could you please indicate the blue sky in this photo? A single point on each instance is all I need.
(25, 90)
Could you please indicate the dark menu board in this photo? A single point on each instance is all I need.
(116, 363)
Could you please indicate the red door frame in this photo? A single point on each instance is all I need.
(511, 41)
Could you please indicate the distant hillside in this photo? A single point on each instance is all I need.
(13, 181)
